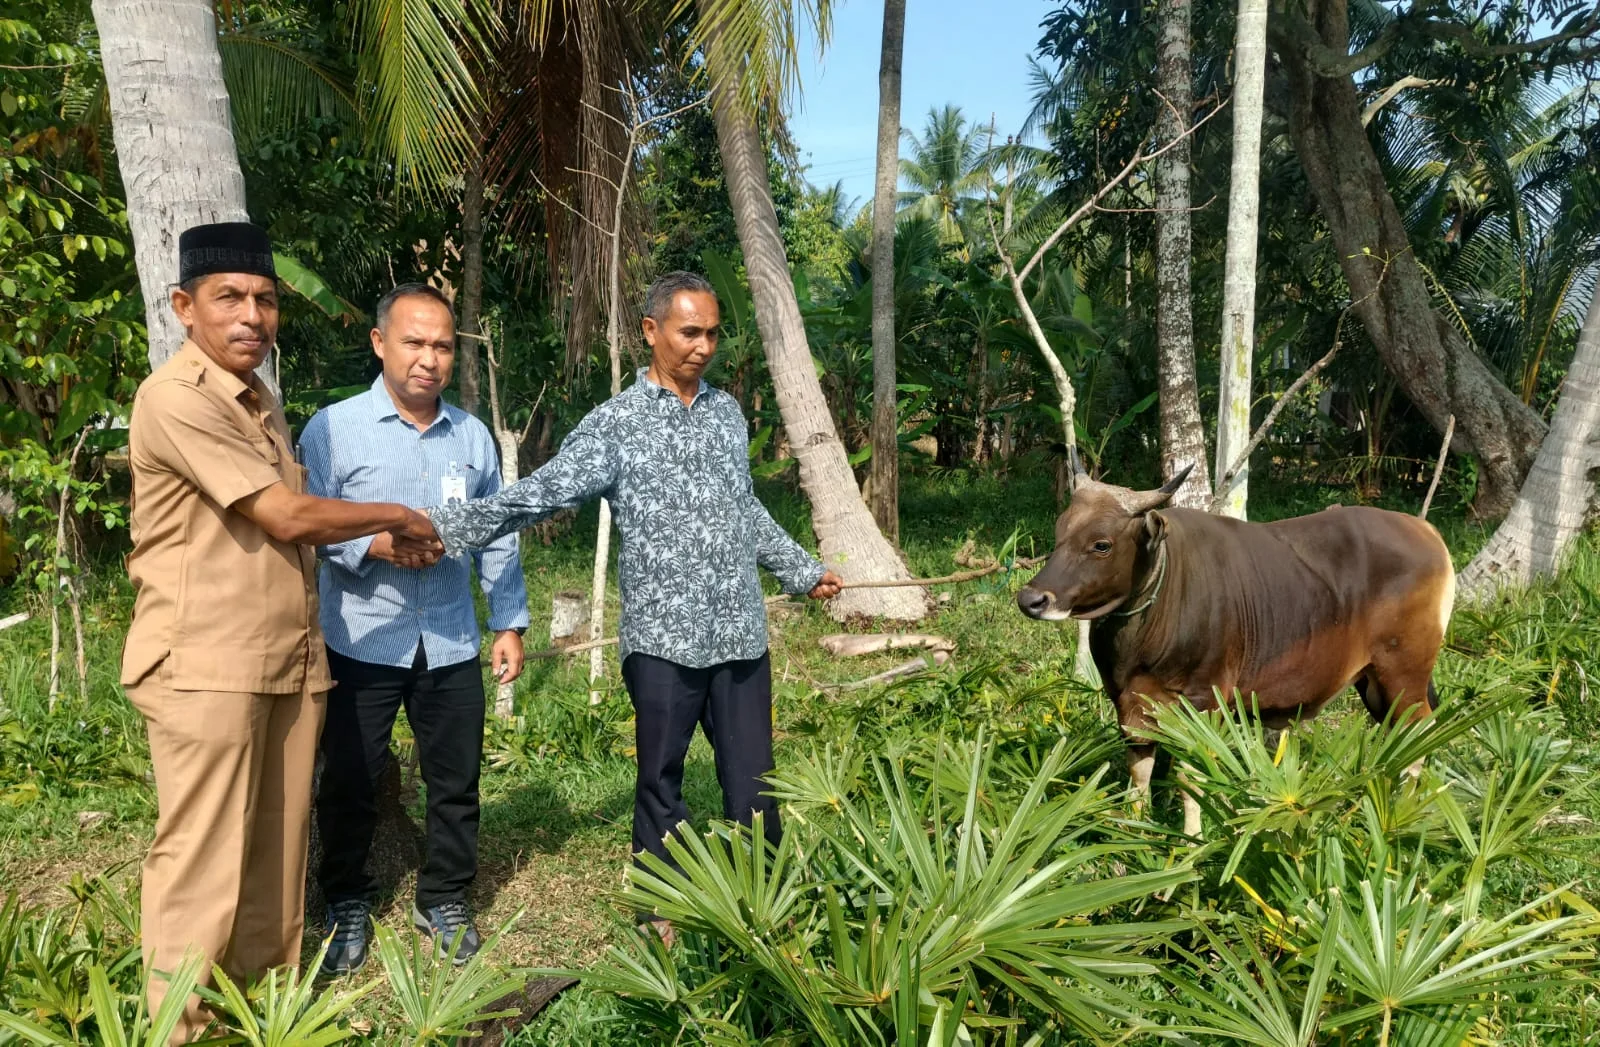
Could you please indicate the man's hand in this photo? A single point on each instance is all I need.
(414, 544)
(419, 528)
(827, 586)
(402, 552)
(505, 657)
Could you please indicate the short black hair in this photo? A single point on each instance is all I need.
(411, 290)
(658, 299)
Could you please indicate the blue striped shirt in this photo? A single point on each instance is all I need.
(361, 450)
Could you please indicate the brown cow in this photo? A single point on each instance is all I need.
(1292, 611)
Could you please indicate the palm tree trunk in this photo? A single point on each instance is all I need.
(1554, 501)
(885, 419)
(1435, 366)
(174, 139)
(1183, 435)
(471, 281)
(850, 542)
(1239, 273)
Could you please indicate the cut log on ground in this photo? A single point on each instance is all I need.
(911, 668)
(850, 645)
(527, 1002)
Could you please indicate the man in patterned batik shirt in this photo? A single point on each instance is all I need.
(671, 454)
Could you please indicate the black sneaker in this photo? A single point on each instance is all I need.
(441, 923)
(347, 924)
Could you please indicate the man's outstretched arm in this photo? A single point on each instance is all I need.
(585, 468)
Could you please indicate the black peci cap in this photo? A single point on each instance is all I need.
(224, 247)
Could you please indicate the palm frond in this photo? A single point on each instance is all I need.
(274, 86)
(755, 40)
(425, 109)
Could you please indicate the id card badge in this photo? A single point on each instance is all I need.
(454, 489)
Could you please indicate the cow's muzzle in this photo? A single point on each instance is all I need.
(1036, 603)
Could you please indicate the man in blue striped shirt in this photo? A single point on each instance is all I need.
(402, 632)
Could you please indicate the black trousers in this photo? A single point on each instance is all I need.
(732, 703)
(445, 707)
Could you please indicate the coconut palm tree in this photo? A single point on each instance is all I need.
(749, 63)
(885, 420)
(169, 118)
(945, 170)
(182, 81)
(1183, 435)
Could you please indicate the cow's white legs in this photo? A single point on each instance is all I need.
(1141, 764)
(1191, 806)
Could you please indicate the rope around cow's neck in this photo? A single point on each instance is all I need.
(1161, 579)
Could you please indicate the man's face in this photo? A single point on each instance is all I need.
(417, 345)
(232, 317)
(683, 342)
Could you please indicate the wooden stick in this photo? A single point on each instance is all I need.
(963, 576)
(960, 576)
(1240, 462)
(577, 648)
(1438, 469)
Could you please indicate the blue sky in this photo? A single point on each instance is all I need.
(967, 52)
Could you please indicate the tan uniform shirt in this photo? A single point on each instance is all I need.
(228, 607)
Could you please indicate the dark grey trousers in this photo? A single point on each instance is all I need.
(732, 703)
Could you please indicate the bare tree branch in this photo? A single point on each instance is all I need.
(1226, 482)
(1157, 210)
(1438, 469)
(569, 208)
(1330, 62)
(1139, 157)
(1388, 95)
(1219, 499)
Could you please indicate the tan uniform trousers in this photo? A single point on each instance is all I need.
(226, 873)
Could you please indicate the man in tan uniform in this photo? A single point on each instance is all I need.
(225, 658)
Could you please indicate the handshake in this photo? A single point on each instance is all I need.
(413, 545)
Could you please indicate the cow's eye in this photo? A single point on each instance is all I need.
(1101, 546)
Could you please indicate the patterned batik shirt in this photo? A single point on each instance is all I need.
(693, 533)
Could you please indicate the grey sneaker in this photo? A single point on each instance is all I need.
(441, 923)
(347, 923)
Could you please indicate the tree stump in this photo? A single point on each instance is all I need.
(569, 612)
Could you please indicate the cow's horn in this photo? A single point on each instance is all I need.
(1078, 471)
(1172, 485)
(1138, 502)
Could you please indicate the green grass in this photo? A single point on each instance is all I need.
(557, 789)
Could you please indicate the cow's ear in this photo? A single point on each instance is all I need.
(1155, 526)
